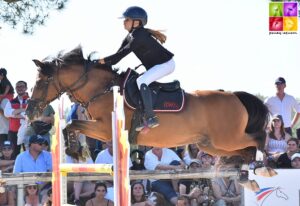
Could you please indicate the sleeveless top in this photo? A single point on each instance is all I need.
(277, 145)
(106, 204)
(225, 187)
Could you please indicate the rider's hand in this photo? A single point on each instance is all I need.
(101, 61)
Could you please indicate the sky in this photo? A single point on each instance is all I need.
(217, 44)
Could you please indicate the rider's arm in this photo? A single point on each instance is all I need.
(124, 50)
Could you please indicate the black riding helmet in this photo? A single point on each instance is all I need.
(136, 13)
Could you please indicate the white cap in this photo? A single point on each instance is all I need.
(295, 156)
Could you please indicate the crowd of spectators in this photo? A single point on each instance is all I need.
(29, 151)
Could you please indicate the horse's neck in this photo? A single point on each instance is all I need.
(97, 83)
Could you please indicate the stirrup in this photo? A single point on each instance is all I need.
(152, 122)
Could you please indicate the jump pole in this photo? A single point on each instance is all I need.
(120, 152)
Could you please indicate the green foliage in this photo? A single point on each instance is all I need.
(261, 97)
(28, 13)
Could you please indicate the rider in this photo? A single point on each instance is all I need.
(157, 60)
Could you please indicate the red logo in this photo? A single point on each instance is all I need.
(171, 105)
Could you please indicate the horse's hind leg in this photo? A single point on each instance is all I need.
(91, 128)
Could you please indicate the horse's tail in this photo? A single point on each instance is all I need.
(258, 117)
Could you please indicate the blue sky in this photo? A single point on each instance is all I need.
(217, 44)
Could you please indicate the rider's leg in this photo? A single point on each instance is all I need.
(153, 74)
(156, 72)
(151, 119)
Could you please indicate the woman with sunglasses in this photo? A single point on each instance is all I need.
(99, 199)
(157, 60)
(32, 196)
(276, 141)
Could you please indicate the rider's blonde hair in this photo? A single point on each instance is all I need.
(157, 34)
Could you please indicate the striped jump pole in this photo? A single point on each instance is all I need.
(120, 152)
(56, 159)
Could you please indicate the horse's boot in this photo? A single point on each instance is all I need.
(151, 120)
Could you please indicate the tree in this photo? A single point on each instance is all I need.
(28, 13)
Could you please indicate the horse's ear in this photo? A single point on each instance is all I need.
(38, 63)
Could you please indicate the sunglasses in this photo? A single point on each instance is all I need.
(32, 187)
(6, 148)
(39, 143)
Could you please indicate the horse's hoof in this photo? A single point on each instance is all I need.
(265, 172)
(250, 185)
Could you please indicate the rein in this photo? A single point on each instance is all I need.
(60, 89)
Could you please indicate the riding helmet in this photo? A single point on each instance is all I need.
(136, 13)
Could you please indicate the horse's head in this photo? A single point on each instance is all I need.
(281, 194)
(46, 89)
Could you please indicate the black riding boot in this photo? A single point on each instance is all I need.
(150, 118)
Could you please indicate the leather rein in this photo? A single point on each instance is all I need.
(60, 89)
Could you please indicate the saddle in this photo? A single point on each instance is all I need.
(166, 97)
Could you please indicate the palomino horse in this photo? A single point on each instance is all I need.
(221, 123)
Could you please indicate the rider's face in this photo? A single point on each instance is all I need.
(128, 24)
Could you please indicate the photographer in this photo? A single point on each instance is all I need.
(227, 191)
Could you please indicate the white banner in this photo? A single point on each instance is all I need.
(280, 190)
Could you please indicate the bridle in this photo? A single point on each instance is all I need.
(40, 103)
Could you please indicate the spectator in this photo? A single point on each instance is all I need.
(6, 89)
(7, 198)
(186, 185)
(197, 190)
(138, 195)
(296, 161)
(207, 161)
(48, 201)
(183, 201)
(15, 111)
(191, 151)
(46, 146)
(82, 189)
(164, 159)
(41, 126)
(99, 199)
(32, 195)
(284, 160)
(3, 122)
(35, 159)
(79, 112)
(276, 141)
(138, 158)
(283, 104)
(7, 161)
(106, 157)
(180, 151)
(227, 191)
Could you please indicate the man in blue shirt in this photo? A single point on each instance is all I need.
(35, 159)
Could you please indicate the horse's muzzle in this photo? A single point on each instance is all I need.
(31, 109)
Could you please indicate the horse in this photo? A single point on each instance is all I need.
(221, 123)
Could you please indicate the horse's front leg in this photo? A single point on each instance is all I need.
(91, 128)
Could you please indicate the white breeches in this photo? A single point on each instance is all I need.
(156, 72)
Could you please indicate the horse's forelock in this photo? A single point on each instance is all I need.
(47, 69)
